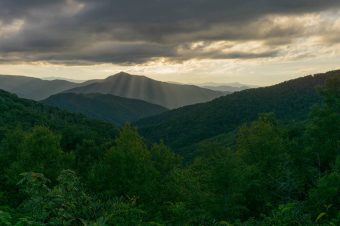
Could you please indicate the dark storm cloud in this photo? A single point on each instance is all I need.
(136, 31)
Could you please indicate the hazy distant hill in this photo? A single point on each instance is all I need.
(227, 89)
(105, 107)
(33, 88)
(152, 91)
(165, 94)
(184, 126)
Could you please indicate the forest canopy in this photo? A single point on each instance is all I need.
(59, 168)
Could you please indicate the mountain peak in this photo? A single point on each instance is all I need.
(120, 74)
(123, 74)
(152, 91)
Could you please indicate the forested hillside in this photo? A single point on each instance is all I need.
(58, 168)
(25, 114)
(181, 127)
(117, 110)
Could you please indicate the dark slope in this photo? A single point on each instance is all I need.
(26, 114)
(34, 88)
(185, 126)
(152, 91)
(106, 107)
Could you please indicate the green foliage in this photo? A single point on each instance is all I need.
(125, 213)
(324, 130)
(290, 214)
(126, 168)
(39, 151)
(164, 159)
(5, 218)
(64, 204)
(186, 126)
(58, 169)
(27, 114)
(324, 199)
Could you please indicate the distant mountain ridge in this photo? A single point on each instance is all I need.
(33, 88)
(227, 88)
(122, 84)
(65, 79)
(222, 87)
(140, 87)
(118, 110)
(290, 100)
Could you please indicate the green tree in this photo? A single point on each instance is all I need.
(323, 133)
(324, 200)
(126, 168)
(164, 159)
(38, 151)
(264, 176)
(64, 204)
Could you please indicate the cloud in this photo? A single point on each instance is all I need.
(135, 32)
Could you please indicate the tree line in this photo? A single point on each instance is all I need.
(275, 174)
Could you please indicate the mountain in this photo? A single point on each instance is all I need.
(106, 107)
(152, 91)
(227, 88)
(57, 166)
(62, 78)
(33, 88)
(168, 95)
(233, 84)
(181, 127)
(21, 113)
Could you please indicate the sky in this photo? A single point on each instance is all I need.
(258, 42)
